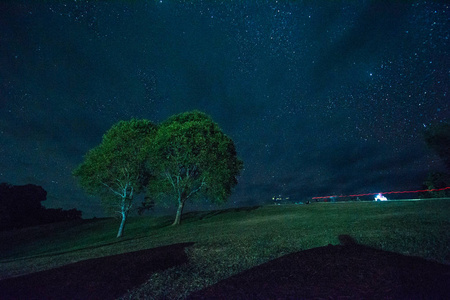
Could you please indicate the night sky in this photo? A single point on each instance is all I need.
(320, 97)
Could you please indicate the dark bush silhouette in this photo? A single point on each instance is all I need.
(20, 206)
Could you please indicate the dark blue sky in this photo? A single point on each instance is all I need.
(320, 97)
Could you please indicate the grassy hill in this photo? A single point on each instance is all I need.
(223, 243)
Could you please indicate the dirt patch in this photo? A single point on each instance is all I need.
(346, 271)
(101, 278)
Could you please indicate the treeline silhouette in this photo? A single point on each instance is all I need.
(20, 206)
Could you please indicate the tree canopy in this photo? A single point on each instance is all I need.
(186, 157)
(116, 170)
(192, 157)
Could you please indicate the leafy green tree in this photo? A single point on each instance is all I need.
(116, 170)
(437, 137)
(193, 158)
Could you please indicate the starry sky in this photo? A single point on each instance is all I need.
(320, 97)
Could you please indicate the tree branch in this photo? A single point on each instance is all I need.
(112, 190)
(196, 190)
(169, 177)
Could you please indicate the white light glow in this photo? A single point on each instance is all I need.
(380, 197)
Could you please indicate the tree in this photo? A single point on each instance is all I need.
(436, 180)
(437, 138)
(192, 157)
(148, 204)
(116, 169)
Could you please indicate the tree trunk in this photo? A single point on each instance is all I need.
(179, 212)
(122, 224)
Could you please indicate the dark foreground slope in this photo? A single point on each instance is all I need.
(344, 272)
(101, 278)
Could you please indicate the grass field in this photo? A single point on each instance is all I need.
(227, 242)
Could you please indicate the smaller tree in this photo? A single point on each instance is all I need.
(192, 157)
(147, 205)
(115, 170)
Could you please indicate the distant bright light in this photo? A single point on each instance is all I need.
(380, 197)
(393, 192)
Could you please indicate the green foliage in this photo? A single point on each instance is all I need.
(192, 157)
(115, 170)
(188, 156)
(437, 138)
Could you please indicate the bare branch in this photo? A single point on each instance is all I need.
(197, 189)
(111, 189)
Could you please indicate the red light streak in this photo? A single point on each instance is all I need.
(394, 192)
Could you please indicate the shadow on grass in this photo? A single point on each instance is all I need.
(345, 271)
(90, 247)
(101, 278)
(13, 242)
(230, 210)
(196, 215)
